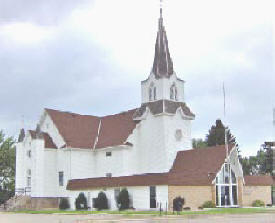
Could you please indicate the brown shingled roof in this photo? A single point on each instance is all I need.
(134, 180)
(48, 140)
(196, 167)
(259, 180)
(81, 131)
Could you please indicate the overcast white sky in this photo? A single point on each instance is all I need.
(89, 56)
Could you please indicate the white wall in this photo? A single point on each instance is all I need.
(23, 162)
(140, 196)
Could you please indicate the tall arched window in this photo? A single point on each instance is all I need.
(226, 187)
(173, 92)
(152, 92)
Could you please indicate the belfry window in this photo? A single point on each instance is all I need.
(173, 92)
(152, 92)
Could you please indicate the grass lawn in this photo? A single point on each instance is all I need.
(209, 211)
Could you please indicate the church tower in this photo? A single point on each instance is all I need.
(164, 115)
(162, 83)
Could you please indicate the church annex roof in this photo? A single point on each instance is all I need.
(163, 65)
(87, 131)
(196, 167)
(259, 180)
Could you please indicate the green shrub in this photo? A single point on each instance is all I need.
(123, 200)
(208, 204)
(81, 202)
(101, 201)
(258, 203)
(64, 204)
(178, 202)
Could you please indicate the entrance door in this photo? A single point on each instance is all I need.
(226, 188)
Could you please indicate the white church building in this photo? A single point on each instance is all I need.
(147, 150)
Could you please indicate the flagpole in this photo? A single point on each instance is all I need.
(225, 127)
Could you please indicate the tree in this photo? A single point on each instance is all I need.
(259, 164)
(101, 201)
(198, 143)
(123, 200)
(216, 135)
(81, 202)
(7, 167)
(64, 204)
(178, 203)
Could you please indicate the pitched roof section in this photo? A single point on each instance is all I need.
(259, 180)
(135, 180)
(86, 131)
(115, 129)
(48, 140)
(196, 167)
(163, 65)
(161, 106)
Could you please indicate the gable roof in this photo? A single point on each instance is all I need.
(87, 131)
(259, 180)
(196, 167)
(47, 139)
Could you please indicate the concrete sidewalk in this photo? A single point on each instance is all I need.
(61, 218)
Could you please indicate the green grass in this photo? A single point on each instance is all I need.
(210, 211)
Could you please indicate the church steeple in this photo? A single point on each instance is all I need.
(163, 65)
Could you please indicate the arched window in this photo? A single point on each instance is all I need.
(173, 92)
(152, 92)
(226, 187)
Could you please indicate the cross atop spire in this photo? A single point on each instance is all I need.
(163, 65)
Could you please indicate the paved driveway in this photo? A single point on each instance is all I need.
(58, 218)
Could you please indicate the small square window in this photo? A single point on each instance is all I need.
(108, 153)
(108, 174)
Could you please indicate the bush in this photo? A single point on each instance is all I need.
(101, 201)
(258, 203)
(64, 204)
(123, 200)
(81, 202)
(178, 202)
(187, 209)
(208, 204)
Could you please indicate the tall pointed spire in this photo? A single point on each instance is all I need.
(163, 65)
